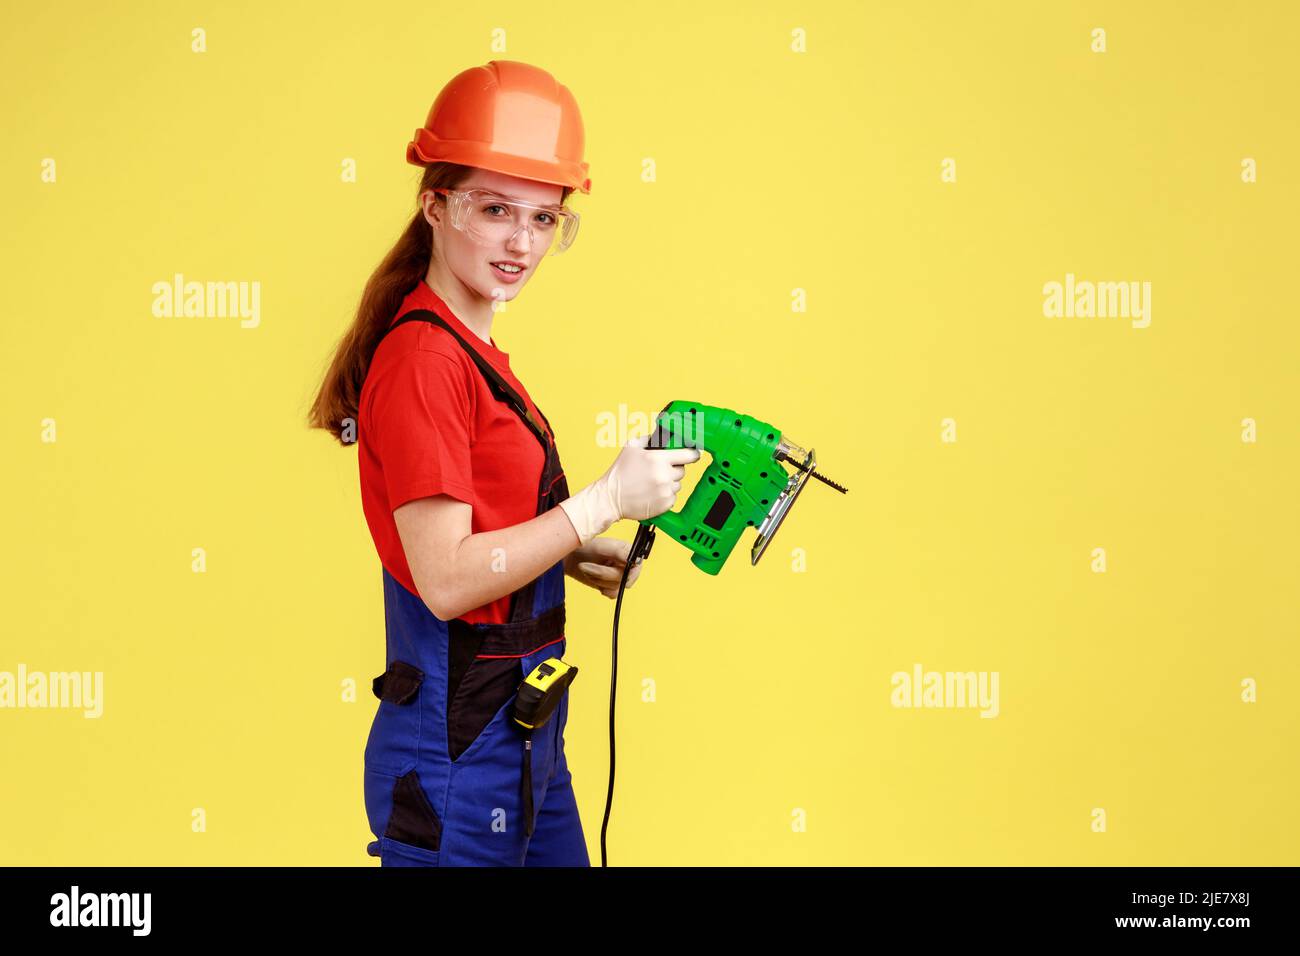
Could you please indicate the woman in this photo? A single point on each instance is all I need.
(463, 490)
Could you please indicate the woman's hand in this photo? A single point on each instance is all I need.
(599, 564)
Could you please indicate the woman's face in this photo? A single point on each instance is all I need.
(470, 261)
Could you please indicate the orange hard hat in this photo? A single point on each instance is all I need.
(510, 117)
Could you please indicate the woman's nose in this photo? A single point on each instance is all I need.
(522, 241)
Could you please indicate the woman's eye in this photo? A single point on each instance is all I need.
(495, 206)
(547, 218)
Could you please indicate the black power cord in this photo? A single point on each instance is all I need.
(641, 544)
(660, 437)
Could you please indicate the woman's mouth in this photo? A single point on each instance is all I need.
(508, 270)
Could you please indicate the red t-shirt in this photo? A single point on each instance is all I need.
(428, 424)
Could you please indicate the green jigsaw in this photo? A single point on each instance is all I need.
(745, 485)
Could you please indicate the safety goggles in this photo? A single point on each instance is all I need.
(492, 219)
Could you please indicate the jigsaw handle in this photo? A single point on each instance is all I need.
(645, 532)
(662, 435)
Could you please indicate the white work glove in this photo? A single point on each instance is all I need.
(642, 482)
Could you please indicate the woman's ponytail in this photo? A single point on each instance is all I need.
(405, 265)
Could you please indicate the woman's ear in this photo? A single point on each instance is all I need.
(432, 208)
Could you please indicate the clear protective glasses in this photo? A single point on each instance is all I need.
(491, 219)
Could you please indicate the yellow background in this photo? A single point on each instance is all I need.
(775, 170)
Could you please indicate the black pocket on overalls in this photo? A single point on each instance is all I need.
(413, 819)
(395, 732)
(399, 684)
(476, 688)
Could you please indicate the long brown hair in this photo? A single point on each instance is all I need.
(400, 272)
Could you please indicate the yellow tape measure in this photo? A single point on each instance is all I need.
(541, 691)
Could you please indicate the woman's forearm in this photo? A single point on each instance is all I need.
(491, 564)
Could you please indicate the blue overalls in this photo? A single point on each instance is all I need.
(445, 761)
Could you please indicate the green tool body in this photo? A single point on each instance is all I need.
(744, 485)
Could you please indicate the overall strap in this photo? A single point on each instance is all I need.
(553, 487)
(500, 387)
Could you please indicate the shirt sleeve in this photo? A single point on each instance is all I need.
(421, 418)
